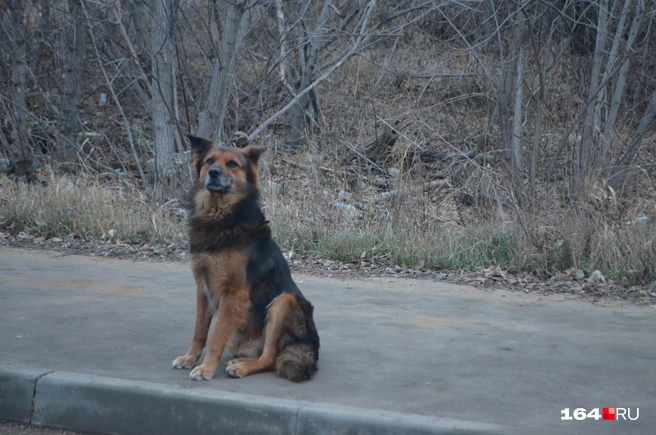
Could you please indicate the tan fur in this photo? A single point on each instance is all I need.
(220, 287)
(206, 204)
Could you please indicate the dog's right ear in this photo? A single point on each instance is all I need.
(199, 145)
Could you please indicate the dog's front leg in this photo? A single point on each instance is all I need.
(233, 308)
(203, 321)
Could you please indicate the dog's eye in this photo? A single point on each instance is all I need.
(210, 161)
(232, 164)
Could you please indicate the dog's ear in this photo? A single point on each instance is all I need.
(200, 145)
(253, 153)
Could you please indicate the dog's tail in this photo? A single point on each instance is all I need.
(298, 345)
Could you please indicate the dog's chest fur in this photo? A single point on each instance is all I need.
(220, 273)
(214, 229)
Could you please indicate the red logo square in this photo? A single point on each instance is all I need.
(609, 413)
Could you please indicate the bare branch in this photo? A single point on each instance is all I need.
(354, 48)
(126, 122)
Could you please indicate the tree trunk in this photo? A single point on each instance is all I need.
(138, 10)
(297, 113)
(511, 87)
(161, 105)
(516, 142)
(44, 30)
(587, 153)
(68, 122)
(210, 120)
(620, 85)
(20, 149)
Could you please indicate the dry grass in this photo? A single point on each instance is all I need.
(407, 232)
(89, 210)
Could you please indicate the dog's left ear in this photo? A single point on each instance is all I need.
(200, 145)
(253, 152)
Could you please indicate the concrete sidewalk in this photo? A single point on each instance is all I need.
(397, 356)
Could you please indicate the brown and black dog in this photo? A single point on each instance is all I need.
(241, 275)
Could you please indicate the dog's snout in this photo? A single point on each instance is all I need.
(214, 173)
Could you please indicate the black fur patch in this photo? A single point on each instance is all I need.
(242, 226)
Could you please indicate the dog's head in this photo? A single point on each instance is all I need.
(225, 170)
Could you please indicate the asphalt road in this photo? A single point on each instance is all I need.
(411, 346)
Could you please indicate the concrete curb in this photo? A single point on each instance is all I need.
(17, 389)
(98, 404)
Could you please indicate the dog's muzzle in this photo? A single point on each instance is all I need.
(216, 181)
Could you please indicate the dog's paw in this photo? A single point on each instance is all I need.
(236, 369)
(235, 361)
(185, 362)
(241, 367)
(201, 373)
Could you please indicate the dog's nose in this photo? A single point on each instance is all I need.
(214, 173)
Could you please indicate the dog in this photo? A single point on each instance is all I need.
(241, 275)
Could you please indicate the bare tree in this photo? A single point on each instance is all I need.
(20, 148)
(138, 12)
(227, 65)
(610, 66)
(75, 55)
(163, 67)
(356, 44)
(590, 124)
(308, 52)
(510, 98)
(620, 85)
(115, 97)
(212, 116)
